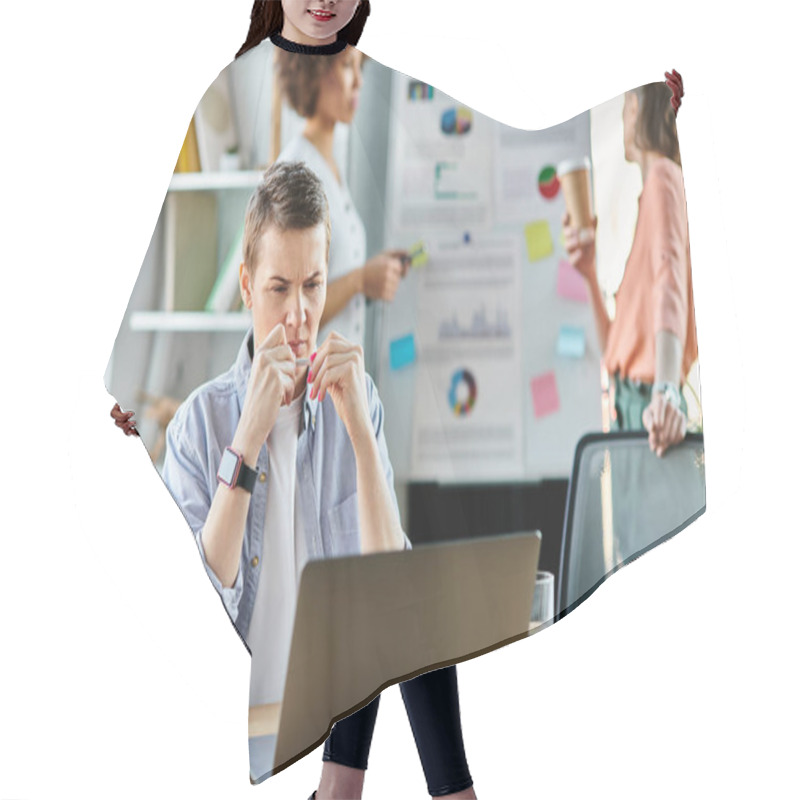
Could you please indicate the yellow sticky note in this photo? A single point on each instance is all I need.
(419, 255)
(537, 237)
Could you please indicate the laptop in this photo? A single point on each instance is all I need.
(367, 621)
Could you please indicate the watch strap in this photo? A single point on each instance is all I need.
(247, 477)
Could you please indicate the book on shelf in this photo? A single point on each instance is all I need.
(225, 295)
(215, 125)
(189, 156)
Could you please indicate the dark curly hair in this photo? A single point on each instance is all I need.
(655, 125)
(266, 18)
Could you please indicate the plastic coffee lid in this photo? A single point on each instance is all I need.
(572, 165)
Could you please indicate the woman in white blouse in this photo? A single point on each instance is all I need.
(324, 89)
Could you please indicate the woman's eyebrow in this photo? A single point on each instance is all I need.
(311, 277)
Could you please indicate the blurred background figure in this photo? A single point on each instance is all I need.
(324, 90)
(651, 343)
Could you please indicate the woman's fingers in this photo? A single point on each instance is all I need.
(674, 76)
(572, 240)
(338, 373)
(661, 412)
(333, 345)
(676, 428)
(320, 380)
(124, 420)
(675, 84)
(332, 353)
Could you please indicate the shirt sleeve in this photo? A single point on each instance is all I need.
(376, 412)
(184, 473)
(668, 228)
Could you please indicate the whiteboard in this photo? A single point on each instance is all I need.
(493, 185)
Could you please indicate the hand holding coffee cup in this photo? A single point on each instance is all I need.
(580, 246)
(574, 177)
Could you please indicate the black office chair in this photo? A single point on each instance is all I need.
(622, 501)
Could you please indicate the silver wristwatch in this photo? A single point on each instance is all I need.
(670, 391)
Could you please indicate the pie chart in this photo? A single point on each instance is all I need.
(548, 183)
(463, 392)
(456, 121)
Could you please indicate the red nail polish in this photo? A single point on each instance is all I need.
(313, 356)
(310, 377)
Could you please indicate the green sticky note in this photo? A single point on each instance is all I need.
(538, 239)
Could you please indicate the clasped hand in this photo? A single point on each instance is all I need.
(336, 369)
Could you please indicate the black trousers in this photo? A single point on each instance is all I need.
(431, 701)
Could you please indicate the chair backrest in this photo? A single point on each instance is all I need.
(622, 501)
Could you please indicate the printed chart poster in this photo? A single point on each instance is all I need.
(441, 160)
(525, 182)
(468, 408)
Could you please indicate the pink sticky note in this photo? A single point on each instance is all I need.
(545, 394)
(571, 284)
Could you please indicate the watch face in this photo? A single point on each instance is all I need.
(228, 468)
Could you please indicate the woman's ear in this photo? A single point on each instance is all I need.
(245, 285)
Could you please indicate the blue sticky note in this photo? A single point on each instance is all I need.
(402, 352)
(571, 342)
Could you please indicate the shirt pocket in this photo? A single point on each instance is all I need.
(343, 525)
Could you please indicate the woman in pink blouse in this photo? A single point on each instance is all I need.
(651, 344)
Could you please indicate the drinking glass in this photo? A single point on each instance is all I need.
(543, 598)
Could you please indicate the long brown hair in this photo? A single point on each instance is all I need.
(266, 18)
(655, 124)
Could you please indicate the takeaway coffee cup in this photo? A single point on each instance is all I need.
(573, 175)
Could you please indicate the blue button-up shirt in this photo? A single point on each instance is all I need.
(204, 426)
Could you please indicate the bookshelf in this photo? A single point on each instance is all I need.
(184, 324)
(170, 342)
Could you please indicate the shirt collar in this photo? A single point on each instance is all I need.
(242, 367)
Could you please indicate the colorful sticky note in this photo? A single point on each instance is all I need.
(402, 352)
(545, 394)
(571, 342)
(570, 283)
(537, 237)
(418, 253)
